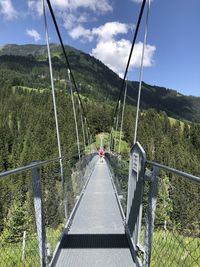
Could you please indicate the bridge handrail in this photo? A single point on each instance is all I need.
(175, 171)
(31, 166)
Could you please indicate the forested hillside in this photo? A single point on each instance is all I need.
(27, 129)
(26, 111)
(27, 65)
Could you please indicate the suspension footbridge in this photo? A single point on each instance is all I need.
(91, 214)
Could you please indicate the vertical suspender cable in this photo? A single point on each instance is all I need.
(91, 149)
(82, 124)
(53, 92)
(75, 119)
(87, 135)
(141, 73)
(122, 120)
(117, 122)
(110, 141)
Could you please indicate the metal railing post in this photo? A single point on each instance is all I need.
(39, 215)
(151, 210)
(135, 195)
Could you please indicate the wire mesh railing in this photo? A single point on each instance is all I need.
(163, 214)
(18, 237)
(35, 205)
(80, 173)
(119, 169)
(53, 200)
(176, 237)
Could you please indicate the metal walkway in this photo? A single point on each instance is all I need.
(96, 237)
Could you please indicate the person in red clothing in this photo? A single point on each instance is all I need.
(101, 154)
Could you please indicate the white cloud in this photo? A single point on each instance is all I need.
(71, 19)
(7, 9)
(81, 32)
(115, 54)
(148, 55)
(70, 6)
(34, 34)
(105, 32)
(94, 5)
(35, 6)
(110, 29)
(111, 51)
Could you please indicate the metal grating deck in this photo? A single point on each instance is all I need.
(96, 237)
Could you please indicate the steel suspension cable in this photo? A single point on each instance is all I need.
(130, 54)
(74, 111)
(53, 92)
(122, 120)
(141, 73)
(117, 117)
(66, 57)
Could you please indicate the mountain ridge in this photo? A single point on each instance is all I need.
(95, 79)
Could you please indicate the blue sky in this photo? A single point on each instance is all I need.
(105, 30)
